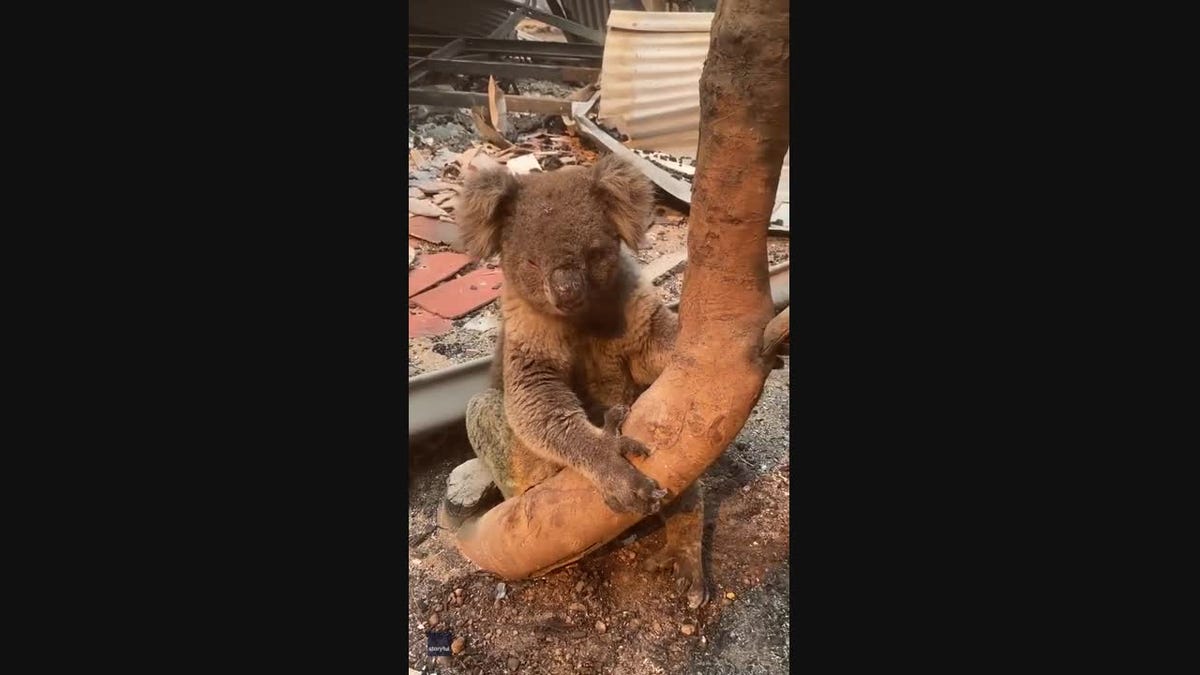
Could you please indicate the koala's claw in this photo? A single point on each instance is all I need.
(633, 492)
(614, 418)
(631, 447)
(686, 566)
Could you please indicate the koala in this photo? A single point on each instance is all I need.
(581, 337)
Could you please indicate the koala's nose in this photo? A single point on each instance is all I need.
(567, 285)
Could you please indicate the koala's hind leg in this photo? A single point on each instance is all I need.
(514, 468)
(490, 437)
(684, 524)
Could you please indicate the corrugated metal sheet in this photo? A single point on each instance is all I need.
(456, 17)
(650, 84)
(650, 78)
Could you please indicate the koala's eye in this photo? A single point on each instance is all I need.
(532, 264)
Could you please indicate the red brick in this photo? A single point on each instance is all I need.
(433, 268)
(433, 230)
(424, 324)
(456, 298)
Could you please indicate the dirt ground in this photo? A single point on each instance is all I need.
(605, 614)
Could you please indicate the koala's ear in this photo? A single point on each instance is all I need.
(626, 196)
(479, 210)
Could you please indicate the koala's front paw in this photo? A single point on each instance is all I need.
(628, 490)
(626, 446)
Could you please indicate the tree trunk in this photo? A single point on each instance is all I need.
(703, 398)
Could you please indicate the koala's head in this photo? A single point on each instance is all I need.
(558, 234)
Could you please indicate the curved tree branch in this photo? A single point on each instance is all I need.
(685, 419)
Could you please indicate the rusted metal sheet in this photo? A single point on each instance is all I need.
(651, 78)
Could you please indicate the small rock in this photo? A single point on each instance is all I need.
(687, 629)
(600, 627)
(459, 644)
(468, 484)
(576, 607)
(731, 595)
(513, 662)
(458, 592)
(523, 164)
(434, 619)
(579, 586)
(746, 488)
(501, 591)
(482, 323)
(437, 607)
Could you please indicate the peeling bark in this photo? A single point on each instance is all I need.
(686, 418)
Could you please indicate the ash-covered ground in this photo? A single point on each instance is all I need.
(605, 614)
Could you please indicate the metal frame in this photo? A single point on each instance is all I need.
(509, 26)
(529, 48)
(415, 70)
(468, 99)
(513, 70)
(565, 25)
(562, 62)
